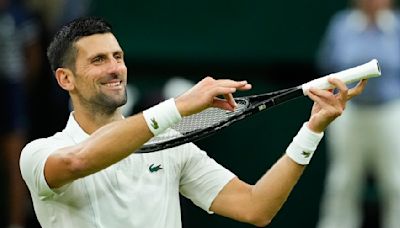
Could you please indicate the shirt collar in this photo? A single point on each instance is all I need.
(385, 21)
(74, 130)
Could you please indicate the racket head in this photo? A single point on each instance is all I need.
(195, 127)
(210, 120)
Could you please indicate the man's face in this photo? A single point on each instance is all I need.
(100, 72)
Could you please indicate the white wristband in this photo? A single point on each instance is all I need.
(303, 145)
(162, 116)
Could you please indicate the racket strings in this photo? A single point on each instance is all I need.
(209, 118)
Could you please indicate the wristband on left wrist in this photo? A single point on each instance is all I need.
(302, 148)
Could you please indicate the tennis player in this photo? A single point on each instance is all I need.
(89, 176)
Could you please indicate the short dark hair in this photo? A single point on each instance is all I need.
(61, 51)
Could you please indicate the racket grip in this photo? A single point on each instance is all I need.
(364, 71)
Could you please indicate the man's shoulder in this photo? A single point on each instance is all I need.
(57, 140)
(37, 151)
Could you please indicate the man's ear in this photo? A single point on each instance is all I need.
(65, 78)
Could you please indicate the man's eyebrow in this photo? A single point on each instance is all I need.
(102, 54)
(119, 52)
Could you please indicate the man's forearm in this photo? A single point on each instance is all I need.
(272, 190)
(106, 146)
(114, 142)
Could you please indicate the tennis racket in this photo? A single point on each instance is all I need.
(211, 120)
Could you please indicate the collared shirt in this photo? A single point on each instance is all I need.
(141, 190)
(351, 41)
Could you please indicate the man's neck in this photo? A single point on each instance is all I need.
(90, 121)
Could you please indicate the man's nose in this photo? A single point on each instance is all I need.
(115, 66)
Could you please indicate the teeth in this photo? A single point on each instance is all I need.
(113, 84)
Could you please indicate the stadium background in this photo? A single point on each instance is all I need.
(272, 44)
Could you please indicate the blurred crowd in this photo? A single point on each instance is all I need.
(33, 106)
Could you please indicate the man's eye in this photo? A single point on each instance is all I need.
(98, 60)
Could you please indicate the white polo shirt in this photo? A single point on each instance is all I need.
(140, 191)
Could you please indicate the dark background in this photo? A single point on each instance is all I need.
(272, 44)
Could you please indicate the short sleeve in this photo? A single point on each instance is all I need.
(32, 161)
(202, 178)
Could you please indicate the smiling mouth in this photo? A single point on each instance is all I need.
(113, 84)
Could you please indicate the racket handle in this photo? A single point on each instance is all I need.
(364, 71)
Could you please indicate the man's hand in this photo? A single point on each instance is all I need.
(204, 95)
(328, 106)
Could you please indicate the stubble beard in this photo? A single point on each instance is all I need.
(102, 103)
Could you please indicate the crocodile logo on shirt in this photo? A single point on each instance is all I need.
(306, 154)
(153, 168)
(154, 123)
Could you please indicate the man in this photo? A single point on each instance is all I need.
(19, 64)
(89, 176)
(363, 145)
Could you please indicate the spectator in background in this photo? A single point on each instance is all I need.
(364, 140)
(45, 96)
(18, 60)
(55, 13)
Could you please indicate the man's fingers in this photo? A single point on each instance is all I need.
(357, 90)
(327, 105)
(230, 83)
(226, 87)
(337, 83)
(245, 87)
(218, 86)
(205, 94)
(217, 91)
(231, 101)
(222, 104)
(345, 93)
(326, 98)
(318, 96)
(321, 93)
(343, 90)
(240, 85)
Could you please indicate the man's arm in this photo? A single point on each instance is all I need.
(105, 147)
(119, 139)
(259, 203)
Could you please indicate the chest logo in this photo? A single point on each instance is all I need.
(153, 168)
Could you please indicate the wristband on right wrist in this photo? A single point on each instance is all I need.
(302, 148)
(162, 116)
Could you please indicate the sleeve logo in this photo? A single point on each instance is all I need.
(154, 123)
(306, 154)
